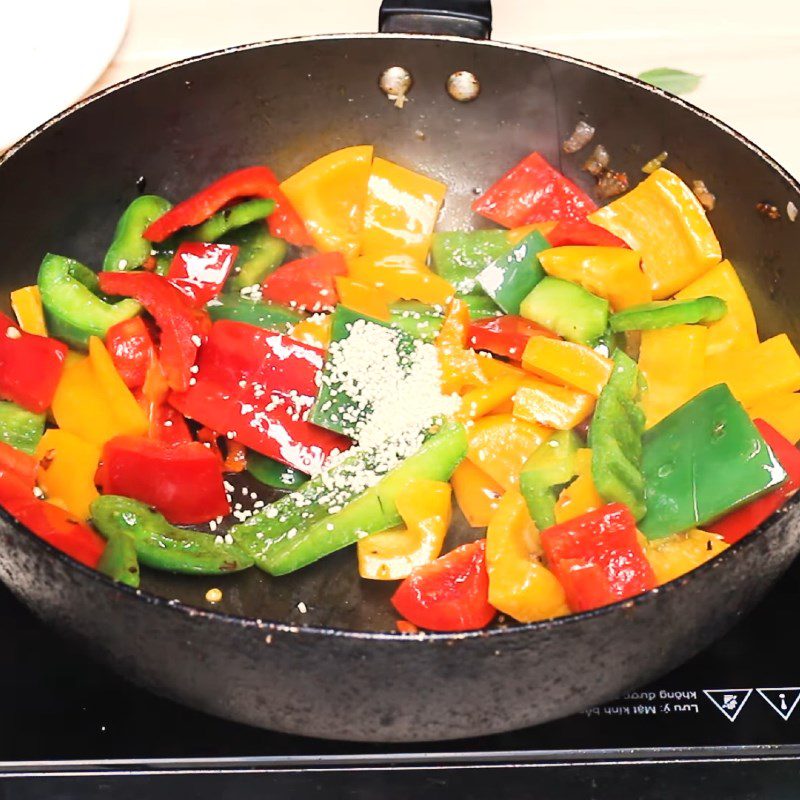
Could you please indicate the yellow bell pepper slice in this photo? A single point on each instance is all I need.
(782, 411)
(67, 465)
(613, 273)
(330, 195)
(315, 330)
(567, 363)
(362, 298)
(495, 369)
(426, 509)
(663, 221)
(738, 327)
(581, 496)
(476, 493)
(459, 365)
(401, 211)
(753, 373)
(672, 361)
(553, 406)
(481, 400)
(27, 306)
(680, 553)
(519, 583)
(500, 444)
(402, 278)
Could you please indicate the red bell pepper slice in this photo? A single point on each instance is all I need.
(740, 522)
(307, 284)
(533, 192)
(597, 557)
(200, 270)
(257, 386)
(582, 232)
(182, 326)
(30, 366)
(449, 594)
(168, 425)
(182, 481)
(506, 335)
(284, 222)
(21, 464)
(131, 349)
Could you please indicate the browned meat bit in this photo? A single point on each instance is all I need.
(579, 138)
(707, 200)
(610, 184)
(598, 161)
(768, 211)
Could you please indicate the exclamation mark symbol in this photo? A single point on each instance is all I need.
(782, 697)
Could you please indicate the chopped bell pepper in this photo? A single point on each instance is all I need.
(672, 362)
(284, 222)
(582, 233)
(271, 316)
(610, 272)
(131, 349)
(30, 366)
(19, 428)
(459, 256)
(737, 329)
(426, 510)
(615, 438)
(550, 466)
(680, 553)
(449, 594)
(330, 194)
(506, 335)
(520, 585)
(772, 367)
(166, 424)
(27, 306)
(460, 366)
(481, 400)
(532, 191)
(272, 473)
(23, 465)
(229, 219)
(119, 561)
(500, 444)
(200, 270)
(67, 466)
(315, 330)
(740, 522)
(702, 461)
(400, 211)
(369, 301)
(401, 279)
(182, 326)
(581, 496)
(509, 279)
(668, 314)
(417, 319)
(259, 254)
(183, 481)
(782, 412)
(598, 558)
(568, 363)
(567, 309)
(130, 249)
(306, 284)
(476, 493)
(550, 405)
(480, 306)
(663, 220)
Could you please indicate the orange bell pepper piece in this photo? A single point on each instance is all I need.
(330, 195)
(519, 583)
(782, 411)
(495, 369)
(67, 466)
(500, 444)
(567, 363)
(581, 496)
(476, 493)
(613, 273)
(553, 406)
(401, 211)
(663, 221)
(459, 365)
(672, 361)
(680, 553)
(426, 509)
(737, 328)
(402, 277)
(364, 299)
(27, 306)
(481, 400)
(315, 330)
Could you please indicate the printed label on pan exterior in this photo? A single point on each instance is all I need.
(782, 701)
(729, 701)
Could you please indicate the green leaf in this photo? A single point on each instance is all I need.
(671, 80)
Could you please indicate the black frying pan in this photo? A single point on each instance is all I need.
(340, 670)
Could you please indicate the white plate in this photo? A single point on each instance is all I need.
(51, 53)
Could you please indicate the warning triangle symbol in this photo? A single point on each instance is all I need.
(783, 701)
(729, 701)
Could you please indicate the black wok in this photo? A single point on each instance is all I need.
(339, 670)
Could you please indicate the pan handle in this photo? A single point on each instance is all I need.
(470, 18)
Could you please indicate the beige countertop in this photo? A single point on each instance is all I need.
(749, 60)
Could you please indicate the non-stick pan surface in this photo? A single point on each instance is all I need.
(339, 670)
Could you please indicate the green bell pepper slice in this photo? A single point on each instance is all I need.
(19, 427)
(161, 545)
(615, 437)
(416, 319)
(703, 460)
(262, 314)
(272, 473)
(459, 256)
(669, 313)
(509, 279)
(551, 465)
(129, 249)
(278, 549)
(229, 219)
(119, 560)
(72, 310)
(480, 306)
(259, 254)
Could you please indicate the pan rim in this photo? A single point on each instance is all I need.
(522, 629)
